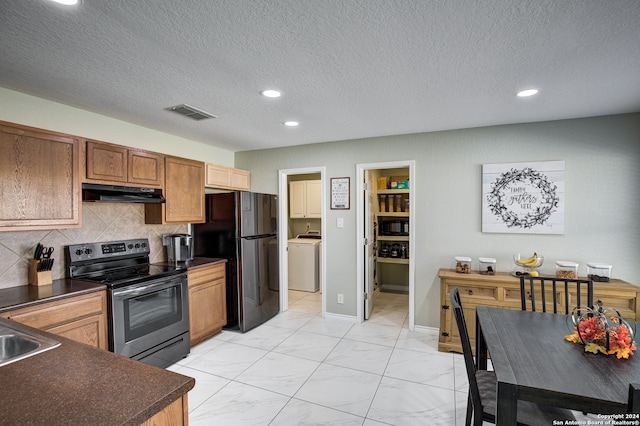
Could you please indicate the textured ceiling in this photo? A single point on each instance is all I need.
(347, 68)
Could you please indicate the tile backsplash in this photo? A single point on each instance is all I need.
(100, 222)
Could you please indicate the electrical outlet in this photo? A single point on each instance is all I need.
(340, 298)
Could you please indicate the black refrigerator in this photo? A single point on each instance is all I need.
(242, 227)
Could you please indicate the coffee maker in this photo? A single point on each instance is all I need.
(179, 247)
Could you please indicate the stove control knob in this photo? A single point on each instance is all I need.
(79, 252)
(88, 251)
(137, 245)
(143, 245)
(130, 246)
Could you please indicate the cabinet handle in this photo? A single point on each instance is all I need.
(470, 292)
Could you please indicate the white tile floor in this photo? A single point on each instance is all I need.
(300, 369)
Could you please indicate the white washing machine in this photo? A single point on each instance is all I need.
(304, 272)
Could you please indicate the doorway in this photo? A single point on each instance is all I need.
(291, 227)
(400, 230)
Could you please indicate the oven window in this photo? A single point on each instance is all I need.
(153, 311)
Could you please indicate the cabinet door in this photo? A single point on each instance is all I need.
(207, 302)
(297, 199)
(240, 179)
(87, 330)
(227, 177)
(218, 176)
(184, 192)
(314, 199)
(107, 162)
(146, 168)
(39, 179)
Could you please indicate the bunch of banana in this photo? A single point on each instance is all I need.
(531, 262)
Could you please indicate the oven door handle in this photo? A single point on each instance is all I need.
(137, 291)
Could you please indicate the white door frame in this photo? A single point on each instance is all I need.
(360, 210)
(283, 228)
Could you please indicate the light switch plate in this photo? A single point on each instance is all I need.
(340, 222)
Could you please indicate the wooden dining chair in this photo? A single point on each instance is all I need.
(481, 403)
(550, 286)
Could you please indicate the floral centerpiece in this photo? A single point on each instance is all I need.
(602, 330)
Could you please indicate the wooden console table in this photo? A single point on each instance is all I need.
(502, 290)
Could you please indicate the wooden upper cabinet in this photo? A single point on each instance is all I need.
(39, 179)
(223, 177)
(146, 167)
(109, 163)
(106, 162)
(184, 192)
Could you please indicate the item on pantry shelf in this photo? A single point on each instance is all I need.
(399, 182)
(463, 264)
(398, 203)
(383, 203)
(406, 205)
(599, 271)
(486, 265)
(390, 203)
(566, 269)
(383, 183)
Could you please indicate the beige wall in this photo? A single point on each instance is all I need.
(601, 157)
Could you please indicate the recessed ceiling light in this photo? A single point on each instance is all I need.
(270, 93)
(527, 93)
(291, 123)
(67, 2)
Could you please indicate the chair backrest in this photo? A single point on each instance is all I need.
(634, 398)
(470, 366)
(540, 286)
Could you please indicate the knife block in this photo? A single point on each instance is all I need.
(38, 278)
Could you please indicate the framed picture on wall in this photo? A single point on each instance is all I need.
(525, 198)
(340, 193)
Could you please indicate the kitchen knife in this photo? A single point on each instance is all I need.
(38, 251)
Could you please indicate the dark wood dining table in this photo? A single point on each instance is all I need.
(533, 361)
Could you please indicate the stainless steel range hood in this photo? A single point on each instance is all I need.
(121, 194)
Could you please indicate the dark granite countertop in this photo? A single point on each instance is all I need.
(195, 263)
(28, 295)
(78, 384)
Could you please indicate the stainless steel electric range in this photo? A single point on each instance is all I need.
(148, 308)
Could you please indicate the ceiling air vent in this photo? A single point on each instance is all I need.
(191, 112)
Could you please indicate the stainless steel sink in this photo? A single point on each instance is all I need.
(18, 343)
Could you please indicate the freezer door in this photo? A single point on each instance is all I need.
(258, 214)
(259, 281)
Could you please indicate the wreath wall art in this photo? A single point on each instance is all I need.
(526, 198)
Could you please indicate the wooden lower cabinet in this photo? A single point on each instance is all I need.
(502, 290)
(207, 301)
(80, 318)
(175, 414)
